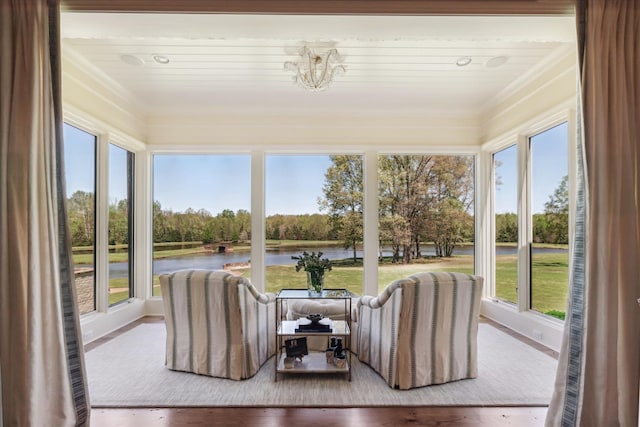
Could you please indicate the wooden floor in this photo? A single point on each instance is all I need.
(321, 417)
(514, 416)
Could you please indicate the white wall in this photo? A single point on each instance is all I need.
(269, 130)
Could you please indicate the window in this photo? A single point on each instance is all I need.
(314, 203)
(505, 190)
(536, 222)
(121, 181)
(549, 216)
(201, 213)
(80, 179)
(426, 215)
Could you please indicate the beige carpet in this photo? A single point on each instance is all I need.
(129, 371)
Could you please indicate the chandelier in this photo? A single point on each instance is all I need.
(314, 71)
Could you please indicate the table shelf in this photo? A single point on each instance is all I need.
(314, 362)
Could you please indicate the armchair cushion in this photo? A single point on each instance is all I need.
(332, 308)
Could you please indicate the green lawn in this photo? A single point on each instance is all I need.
(550, 281)
(118, 290)
(549, 274)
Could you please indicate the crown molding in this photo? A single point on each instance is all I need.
(556, 57)
(101, 78)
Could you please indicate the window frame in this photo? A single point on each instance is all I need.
(106, 135)
(520, 316)
(370, 217)
(131, 208)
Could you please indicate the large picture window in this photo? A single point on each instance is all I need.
(532, 225)
(201, 213)
(80, 178)
(549, 216)
(121, 182)
(426, 215)
(314, 203)
(505, 190)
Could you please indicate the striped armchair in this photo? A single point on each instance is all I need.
(422, 329)
(217, 324)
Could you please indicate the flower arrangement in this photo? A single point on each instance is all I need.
(315, 266)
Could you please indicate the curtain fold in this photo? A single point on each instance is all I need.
(598, 373)
(41, 358)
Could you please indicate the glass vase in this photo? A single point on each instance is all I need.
(315, 282)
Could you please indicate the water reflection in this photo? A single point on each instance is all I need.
(282, 256)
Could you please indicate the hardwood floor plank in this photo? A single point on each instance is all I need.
(321, 417)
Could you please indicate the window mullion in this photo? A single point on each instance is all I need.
(524, 223)
(102, 224)
(370, 223)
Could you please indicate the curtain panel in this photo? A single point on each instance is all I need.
(599, 367)
(41, 358)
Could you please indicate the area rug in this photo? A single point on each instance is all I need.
(129, 371)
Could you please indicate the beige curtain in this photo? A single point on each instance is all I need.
(41, 363)
(597, 381)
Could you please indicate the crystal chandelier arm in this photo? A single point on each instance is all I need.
(315, 72)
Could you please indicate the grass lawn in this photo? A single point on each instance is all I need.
(550, 281)
(549, 274)
(118, 290)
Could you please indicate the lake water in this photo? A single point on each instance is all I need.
(215, 261)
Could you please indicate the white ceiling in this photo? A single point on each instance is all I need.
(236, 62)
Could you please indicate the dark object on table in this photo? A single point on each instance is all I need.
(315, 318)
(315, 325)
(296, 347)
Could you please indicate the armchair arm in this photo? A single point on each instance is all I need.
(258, 312)
(260, 297)
(378, 329)
(382, 298)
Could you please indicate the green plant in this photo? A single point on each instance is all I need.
(315, 266)
(312, 262)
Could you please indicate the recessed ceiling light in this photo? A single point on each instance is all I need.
(161, 59)
(496, 61)
(132, 60)
(463, 61)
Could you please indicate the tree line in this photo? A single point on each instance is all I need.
(421, 199)
(550, 226)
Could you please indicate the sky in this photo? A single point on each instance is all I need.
(217, 182)
(293, 182)
(80, 164)
(549, 162)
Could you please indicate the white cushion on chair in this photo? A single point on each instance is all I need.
(331, 308)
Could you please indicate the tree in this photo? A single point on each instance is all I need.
(160, 224)
(425, 197)
(343, 198)
(451, 199)
(119, 222)
(81, 208)
(403, 189)
(506, 227)
(394, 229)
(557, 213)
